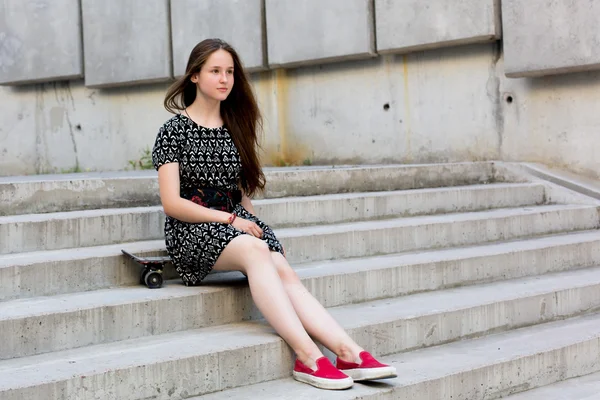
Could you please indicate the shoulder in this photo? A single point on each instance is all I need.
(168, 142)
(176, 121)
(174, 126)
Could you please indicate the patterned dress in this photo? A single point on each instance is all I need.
(207, 157)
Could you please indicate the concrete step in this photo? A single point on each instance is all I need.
(51, 231)
(38, 232)
(66, 322)
(45, 273)
(586, 387)
(481, 369)
(201, 361)
(359, 239)
(60, 272)
(576, 182)
(68, 192)
(72, 270)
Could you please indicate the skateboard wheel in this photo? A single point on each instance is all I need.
(153, 279)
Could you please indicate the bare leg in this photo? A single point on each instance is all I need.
(253, 257)
(316, 320)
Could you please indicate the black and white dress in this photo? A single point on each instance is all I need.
(207, 157)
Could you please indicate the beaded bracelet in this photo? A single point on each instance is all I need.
(231, 219)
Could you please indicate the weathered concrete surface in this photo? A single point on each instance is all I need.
(317, 31)
(438, 106)
(580, 184)
(55, 128)
(411, 25)
(331, 114)
(561, 187)
(46, 273)
(126, 42)
(360, 239)
(335, 208)
(218, 359)
(40, 41)
(543, 37)
(37, 194)
(582, 388)
(77, 320)
(449, 104)
(303, 181)
(52, 231)
(553, 121)
(52, 193)
(490, 368)
(144, 365)
(85, 269)
(241, 23)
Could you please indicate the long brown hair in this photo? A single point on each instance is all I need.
(239, 111)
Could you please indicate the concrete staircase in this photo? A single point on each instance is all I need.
(476, 280)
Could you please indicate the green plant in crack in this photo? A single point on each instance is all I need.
(145, 160)
(73, 170)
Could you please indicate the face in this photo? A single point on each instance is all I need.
(215, 79)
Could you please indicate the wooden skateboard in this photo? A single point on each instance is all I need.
(152, 269)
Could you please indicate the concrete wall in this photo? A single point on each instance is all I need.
(544, 37)
(409, 25)
(40, 40)
(143, 41)
(238, 22)
(444, 105)
(423, 107)
(316, 31)
(66, 127)
(448, 104)
(554, 120)
(126, 42)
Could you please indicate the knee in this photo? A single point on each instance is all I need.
(255, 254)
(256, 248)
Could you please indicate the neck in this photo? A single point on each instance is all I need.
(205, 112)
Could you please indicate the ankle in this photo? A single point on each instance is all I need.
(309, 359)
(349, 353)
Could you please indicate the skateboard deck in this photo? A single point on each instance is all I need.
(152, 270)
(148, 260)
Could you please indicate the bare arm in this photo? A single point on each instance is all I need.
(188, 211)
(247, 204)
(179, 208)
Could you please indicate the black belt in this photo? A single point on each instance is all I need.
(213, 198)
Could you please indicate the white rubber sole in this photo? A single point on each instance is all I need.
(322, 383)
(367, 374)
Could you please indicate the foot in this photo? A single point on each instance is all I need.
(368, 368)
(326, 376)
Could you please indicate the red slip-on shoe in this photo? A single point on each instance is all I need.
(368, 369)
(325, 377)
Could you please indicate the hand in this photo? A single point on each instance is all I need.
(247, 226)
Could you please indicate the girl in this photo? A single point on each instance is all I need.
(208, 169)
